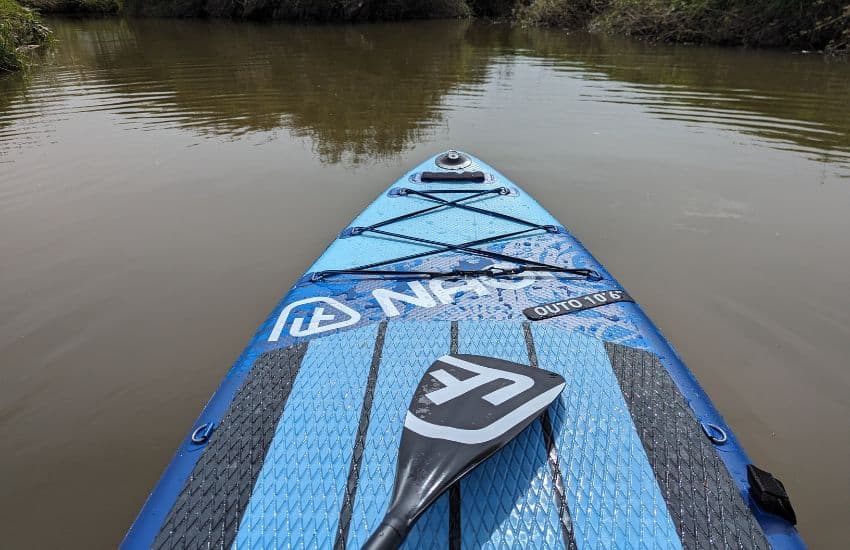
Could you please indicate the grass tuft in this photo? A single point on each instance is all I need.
(20, 32)
(568, 14)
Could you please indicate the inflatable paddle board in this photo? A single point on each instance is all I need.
(457, 371)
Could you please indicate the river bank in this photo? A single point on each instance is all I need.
(813, 25)
(822, 25)
(75, 7)
(20, 32)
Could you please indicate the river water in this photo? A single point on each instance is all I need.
(163, 183)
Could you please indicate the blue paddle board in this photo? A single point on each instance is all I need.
(299, 445)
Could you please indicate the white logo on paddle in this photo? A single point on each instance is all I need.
(482, 424)
(320, 321)
(483, 375)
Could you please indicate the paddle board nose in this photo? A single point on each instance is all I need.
(450, 277)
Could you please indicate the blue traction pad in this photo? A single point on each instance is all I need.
(298, 495)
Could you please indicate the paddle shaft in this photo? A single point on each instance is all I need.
(386, 537)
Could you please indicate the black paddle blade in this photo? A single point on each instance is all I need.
(465, 408)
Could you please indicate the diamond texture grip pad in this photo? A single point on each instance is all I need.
(613, 497)
(306, 452)
(702, 498)
(300, 490)
(509, 500)
(207, 511)
(409, 349)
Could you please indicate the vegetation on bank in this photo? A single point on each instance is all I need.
(299, 10)
(80, 7)
(799, 24)
(20, 32)
(568, 14)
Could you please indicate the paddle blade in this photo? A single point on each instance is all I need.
(465, 408)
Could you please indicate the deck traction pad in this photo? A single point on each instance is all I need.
(701, 496)
(214, 497)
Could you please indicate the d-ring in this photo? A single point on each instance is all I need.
(202, 433)
(715, 433)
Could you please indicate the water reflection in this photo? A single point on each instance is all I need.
(355, 91)
(370, 91)
(794, 102)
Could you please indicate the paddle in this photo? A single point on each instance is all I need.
(465, 408)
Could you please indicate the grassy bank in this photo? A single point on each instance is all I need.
(20, 32)
(799, 24)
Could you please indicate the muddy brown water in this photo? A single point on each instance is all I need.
(162, 183)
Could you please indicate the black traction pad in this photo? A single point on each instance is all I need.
(210, 505)
(701, 496)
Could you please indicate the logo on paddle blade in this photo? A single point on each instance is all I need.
(473, 399)
(320, 321)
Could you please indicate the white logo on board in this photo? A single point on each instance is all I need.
(320, 320)
(437, 292)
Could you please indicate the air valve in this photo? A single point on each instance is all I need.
(453, 160)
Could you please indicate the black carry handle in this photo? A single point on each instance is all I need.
(477, 177)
